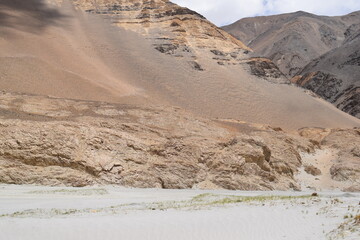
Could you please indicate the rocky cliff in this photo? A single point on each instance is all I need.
(77, 143)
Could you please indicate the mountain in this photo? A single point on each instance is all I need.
(293, 40)
(118, 54)
(320, 53)
(335, 76)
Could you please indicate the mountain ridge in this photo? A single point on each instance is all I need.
(318, 53)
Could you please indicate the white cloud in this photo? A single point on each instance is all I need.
(223, 12)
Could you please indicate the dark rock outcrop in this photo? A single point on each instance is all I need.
(335, 77)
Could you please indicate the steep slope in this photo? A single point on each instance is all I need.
(292, 40)
(116, 51)
(172, 29)
(335, 76)
(47, 50)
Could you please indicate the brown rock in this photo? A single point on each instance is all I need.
(159, 147)
(310, 169)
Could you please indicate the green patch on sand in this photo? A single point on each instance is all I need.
(199, 202)
(81, 192)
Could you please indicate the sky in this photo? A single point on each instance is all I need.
(222, 12)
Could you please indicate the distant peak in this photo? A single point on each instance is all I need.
(303, 13)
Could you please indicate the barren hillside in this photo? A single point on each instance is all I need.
(85, 53)
(292, 40)
(321, 53)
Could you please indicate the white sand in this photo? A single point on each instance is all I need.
(117, 213)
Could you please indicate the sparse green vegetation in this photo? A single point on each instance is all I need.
(201, 201)
(201, 197)
(82, 192)
(230, 199)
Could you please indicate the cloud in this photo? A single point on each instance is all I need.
(228, 11)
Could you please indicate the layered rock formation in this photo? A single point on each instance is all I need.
(58, 141)
(77, 143)
(174, 30)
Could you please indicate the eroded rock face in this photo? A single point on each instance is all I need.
(345, 163)
(347, 166)
(265, 68)
(325, 85)
(172, 29)
(332, 89)
(77, 143)
(178, 32)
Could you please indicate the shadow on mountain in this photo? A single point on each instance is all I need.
(28, 15)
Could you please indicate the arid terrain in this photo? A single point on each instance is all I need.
(82, 54)
(112, 213)
(112, 92)
(318, 53)
(143, 120)
(54, 141)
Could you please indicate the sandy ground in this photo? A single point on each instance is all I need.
(29, 212)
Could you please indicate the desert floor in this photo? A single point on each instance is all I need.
(31, 212)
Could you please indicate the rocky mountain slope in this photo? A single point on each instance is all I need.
(335, 76)
(172, 29)
(293, 40)
(182, 33)
(115, 55)
(77, 143)
(320, 53)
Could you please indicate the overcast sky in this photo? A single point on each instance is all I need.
(222, 12)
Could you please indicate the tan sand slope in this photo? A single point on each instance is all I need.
(80, 55)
